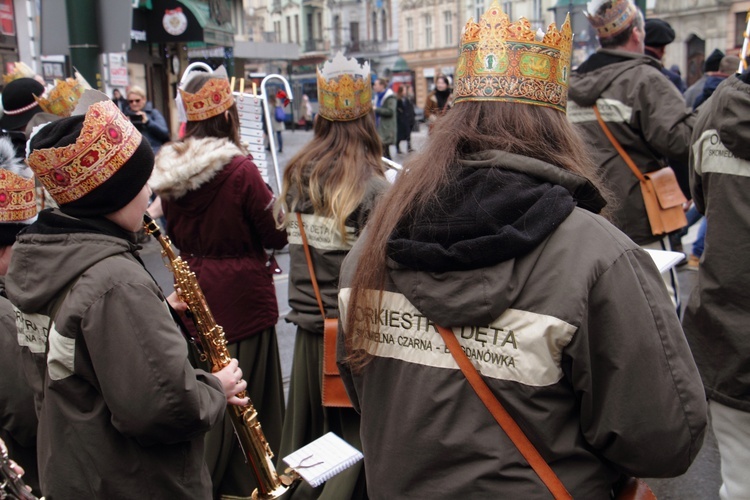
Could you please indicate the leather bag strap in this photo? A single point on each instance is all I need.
(625, 156)
(310, 265)
(511, 428)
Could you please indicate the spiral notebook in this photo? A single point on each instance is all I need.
(322, 459)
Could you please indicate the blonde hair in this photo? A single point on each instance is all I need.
(333, 170)
(135, 89)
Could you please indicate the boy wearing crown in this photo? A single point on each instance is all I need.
(18, 420)
(124, 413)
(645, 113)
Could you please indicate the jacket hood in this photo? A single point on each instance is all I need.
(501, 209)
(730, 107)
(599, 71)
(181, 167)
(54, 251)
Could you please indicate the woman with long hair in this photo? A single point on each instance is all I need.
(219, 214)
(333, 184)
(492, 232)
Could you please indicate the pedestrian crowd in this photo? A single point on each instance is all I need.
(488, 321)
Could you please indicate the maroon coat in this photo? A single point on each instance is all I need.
(219, 214)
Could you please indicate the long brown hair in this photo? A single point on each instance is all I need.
(222, 126)
(333, 169)
(532, 131)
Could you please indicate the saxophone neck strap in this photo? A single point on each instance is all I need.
(310, 265)
(511, 428)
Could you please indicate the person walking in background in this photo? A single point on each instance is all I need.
(405, 120)
(384, 102)
(710, 65)
(503, 196)
(332, 185)
(306, 112)
(659, 34)
(439, 101)
(717, 317)
(219, 214)
(727, 67)
(120, 395)
(146, 118)
(651, 124)
(117, 98)
(277, 124)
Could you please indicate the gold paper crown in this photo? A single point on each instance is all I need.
(615, 18)
(62, 99)
(106, 142)
(344, 89)
(17, 198)
(504, 61)
(212, 99)
(20, 70)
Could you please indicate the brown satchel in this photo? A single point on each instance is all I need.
(333, 391)
(633, 488)
(661, 192)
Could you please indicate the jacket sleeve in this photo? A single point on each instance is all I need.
(141, 364)
(157, 126)
(642, 404)
(17, 414)
(660, 113)
(258, 201)
(388, 108)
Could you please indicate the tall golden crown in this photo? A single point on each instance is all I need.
(614, 20)
(504, 61)
(63, 97)
(106, 142)
(344, 89)
(212, 99)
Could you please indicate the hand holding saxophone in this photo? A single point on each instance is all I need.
(232, 383)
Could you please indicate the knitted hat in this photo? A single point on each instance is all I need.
(19, 103)
(93, 164)
(17, 197)
(713, 61)
(658, 33)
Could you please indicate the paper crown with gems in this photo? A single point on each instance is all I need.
(61, 100)
(106, 142)
(510, 62)
(20, 70)
(212, 99)
(344, 89)
(17, 197)
(614, 19)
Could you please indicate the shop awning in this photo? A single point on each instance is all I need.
(187, 21)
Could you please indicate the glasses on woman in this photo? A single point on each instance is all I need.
(131, 101)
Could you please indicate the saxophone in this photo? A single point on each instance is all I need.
(244, 418)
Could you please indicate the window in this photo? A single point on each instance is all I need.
(448, 23)
(428, 31)
(289, 29)
(478, 9)
(354, 35)
(409, 33)
(277, 31)
(296, 29)
(320, 27)
(537, 15)
(375, 26)
(309, 36)
(740, 24)
(337, 31)
(508, 9)
(383, 26)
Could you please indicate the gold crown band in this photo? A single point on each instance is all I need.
(344, 89)
(618, 17)
(62, 98)
(504, 61)
(211, 100)
(17, 197)
(106, 142)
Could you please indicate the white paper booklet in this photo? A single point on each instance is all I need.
(665, 259)
(322, 459)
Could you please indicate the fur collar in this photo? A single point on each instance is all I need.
(187, 165)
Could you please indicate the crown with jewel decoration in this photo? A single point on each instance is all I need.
(344, 89)
(212, 99)
(504, 61)
(106, 142)
(61, 100)
(614, 19)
